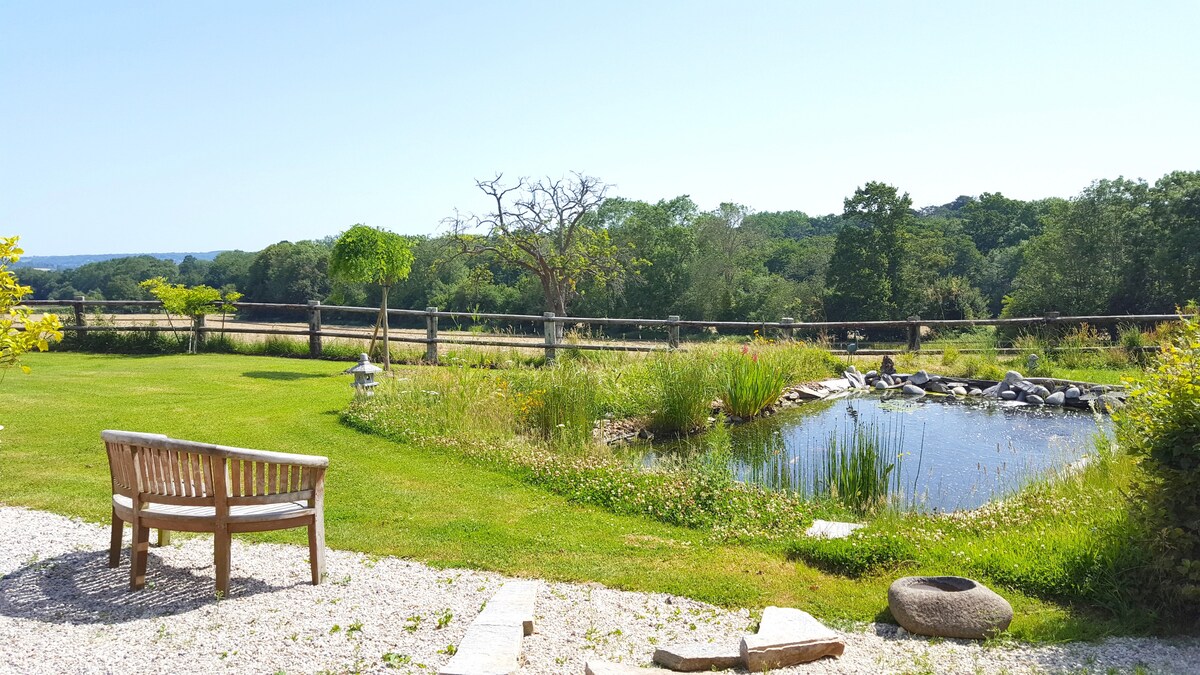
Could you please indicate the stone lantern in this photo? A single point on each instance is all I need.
(364, 376)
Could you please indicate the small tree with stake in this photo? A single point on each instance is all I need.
(369, 255)
(194, 302)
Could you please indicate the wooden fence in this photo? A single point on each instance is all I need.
(551, 326)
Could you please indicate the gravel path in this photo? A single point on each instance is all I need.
(62, 610)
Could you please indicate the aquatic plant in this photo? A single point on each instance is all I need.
(750, 383)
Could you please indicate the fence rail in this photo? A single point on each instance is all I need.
(551, 326)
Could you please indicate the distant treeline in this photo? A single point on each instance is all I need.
(1121, 246)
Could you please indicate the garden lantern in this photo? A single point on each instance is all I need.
(364, 375)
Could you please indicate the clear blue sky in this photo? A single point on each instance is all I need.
(169, 126)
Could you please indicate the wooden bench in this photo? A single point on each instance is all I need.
(169, 484)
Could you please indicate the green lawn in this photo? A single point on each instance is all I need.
(386, 498)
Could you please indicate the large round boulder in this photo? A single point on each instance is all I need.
(954, 607)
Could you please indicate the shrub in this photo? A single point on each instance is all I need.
(1162, 425)
(861, 553)
(750, 383)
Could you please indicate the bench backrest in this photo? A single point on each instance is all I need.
(155, 468)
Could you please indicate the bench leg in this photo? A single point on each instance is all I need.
(137, 555)
(221, 557)
(316, 549)
(114, 548)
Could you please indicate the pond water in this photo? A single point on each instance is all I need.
(957, 453)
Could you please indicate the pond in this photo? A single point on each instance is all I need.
(953, 453)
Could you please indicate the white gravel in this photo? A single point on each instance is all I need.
(62, 610)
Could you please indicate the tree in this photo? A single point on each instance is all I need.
(865, 271)
(368, 255)
(548, 228)
(19, 331)
(194, 302)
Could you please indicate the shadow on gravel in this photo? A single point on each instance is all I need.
(80, 588)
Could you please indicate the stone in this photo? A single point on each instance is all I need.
(1008, 395)
(787, 637)
(919, 377)
(959, 391)
(975, 391)
(1057, 398)
(699, 656)
(487, 650)
(831, 529)
(1072, 392)
(512, 605)
(954, 607)
(610, 668)
(913, 390)
(1034, 399)
(808, 393)
(1012, 377)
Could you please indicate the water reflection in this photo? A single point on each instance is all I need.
(953, 454)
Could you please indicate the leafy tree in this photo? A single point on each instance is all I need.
(19, 331)
(230, 269)
(550, 229)
(368, 255)
(864, 276)
(194, 302)
(289, 273)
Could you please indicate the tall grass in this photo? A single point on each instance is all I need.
(861, 469)
(561, 403)
(749, 382)
(681, 387)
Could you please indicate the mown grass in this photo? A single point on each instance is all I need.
(387, 497)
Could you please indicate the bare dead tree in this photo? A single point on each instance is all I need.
(548, 227)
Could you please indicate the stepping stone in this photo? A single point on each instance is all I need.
(609, 668)
(787, 637)
(512, 605)
(698, 656)
(487, 650)
(831, 529)
(492, 645)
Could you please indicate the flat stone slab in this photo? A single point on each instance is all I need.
(787, 637)
(699, 656)
(512, 605)
(831, 529)
(487, 649)
(609, 668)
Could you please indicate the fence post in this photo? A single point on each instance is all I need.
(914, 333)
(314, 329)
(673, 332)
(786, 328)
(78, 307)
(198, 332)
(550, 330)
(431, 345)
